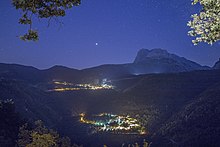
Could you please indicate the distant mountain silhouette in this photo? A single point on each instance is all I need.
(20, 72)
(146, 61)
(61, 73)
(160, 61)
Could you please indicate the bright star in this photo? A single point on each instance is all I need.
(96, 44)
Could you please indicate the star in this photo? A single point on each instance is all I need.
(96, 43)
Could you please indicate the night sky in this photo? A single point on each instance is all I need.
(104, 32)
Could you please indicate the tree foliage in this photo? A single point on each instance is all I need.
(41, 9)
(40, 136)
(24, 137)
(205, 26)
(13, 133)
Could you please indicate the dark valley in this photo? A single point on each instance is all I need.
(161, 97)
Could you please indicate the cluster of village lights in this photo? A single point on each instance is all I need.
(114, 123)
(65, 86)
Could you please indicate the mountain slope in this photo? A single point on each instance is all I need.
(61, 73)
(197, 124)
(217, 65)
(30, 101)
(167, 93)
(25, 73)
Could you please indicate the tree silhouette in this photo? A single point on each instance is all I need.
(41, 9)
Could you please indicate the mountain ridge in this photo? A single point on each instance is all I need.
(217, 65)
(142, 55)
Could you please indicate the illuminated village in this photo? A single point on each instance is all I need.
(61, 86)
(106, 122)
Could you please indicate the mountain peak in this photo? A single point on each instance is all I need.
(61, 68)
(156, 53)
(160, 60)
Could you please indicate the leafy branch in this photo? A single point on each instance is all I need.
(205, 26)
(42, 9)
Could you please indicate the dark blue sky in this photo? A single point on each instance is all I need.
(104, 32)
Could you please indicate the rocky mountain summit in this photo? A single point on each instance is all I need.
(161, 61)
